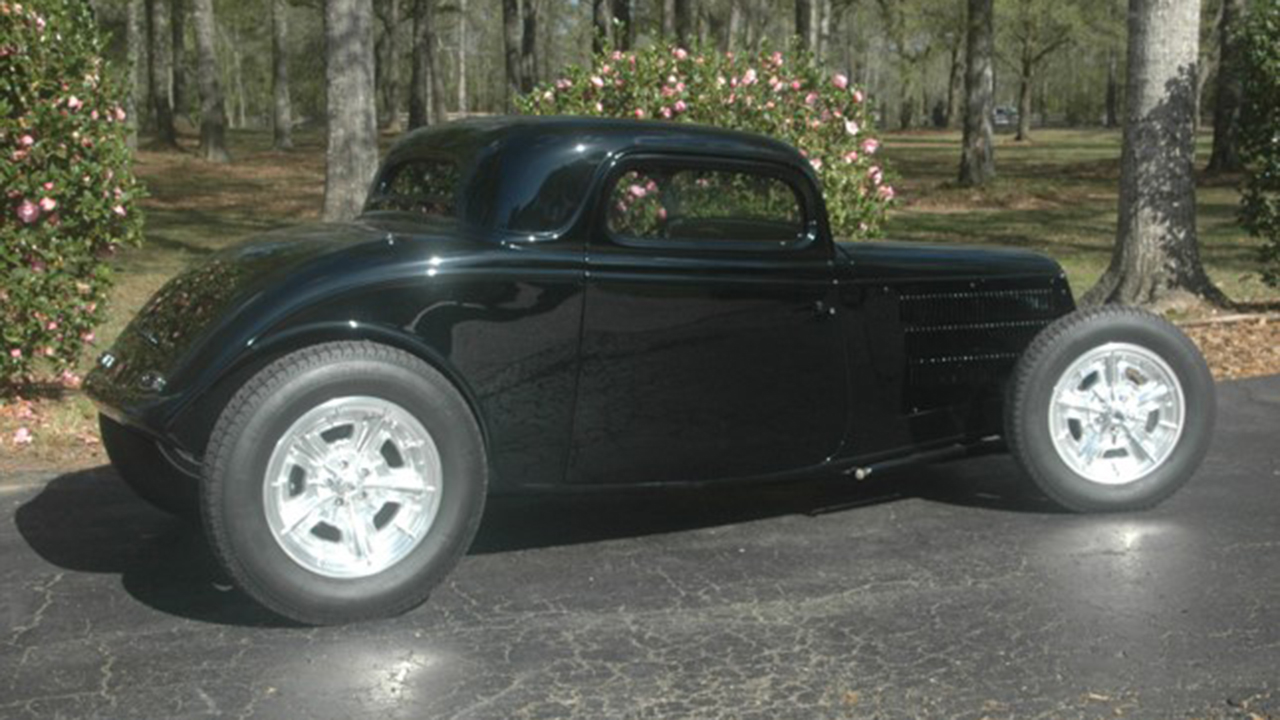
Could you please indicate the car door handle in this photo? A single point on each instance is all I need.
(823, 310)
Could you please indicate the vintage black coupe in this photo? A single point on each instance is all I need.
(538, 303)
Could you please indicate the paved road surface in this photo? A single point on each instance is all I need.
(939, 592)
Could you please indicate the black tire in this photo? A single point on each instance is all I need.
(241, 446)
(1041, 367)
(144, 467)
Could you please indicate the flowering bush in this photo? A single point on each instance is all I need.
(69, 192)
(792, 99)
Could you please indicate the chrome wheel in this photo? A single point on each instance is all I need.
(1116, 414)
(352, 487)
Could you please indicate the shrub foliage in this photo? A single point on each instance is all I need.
(69, 192)
(787, 97)
(1260, 132)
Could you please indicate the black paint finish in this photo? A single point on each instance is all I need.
(589, 361)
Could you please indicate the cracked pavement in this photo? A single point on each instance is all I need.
(951, 591)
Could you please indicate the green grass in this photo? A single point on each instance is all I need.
(1056, 195)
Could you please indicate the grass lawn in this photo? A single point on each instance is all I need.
(1056, 194)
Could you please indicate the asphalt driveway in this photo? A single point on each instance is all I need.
(948, 591)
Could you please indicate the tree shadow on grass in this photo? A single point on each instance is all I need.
(89, 522)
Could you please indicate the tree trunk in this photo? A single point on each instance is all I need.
(805, 23)
(352, 154)
(178, 26)
(512, 35)
(391, 79)
(135, 39)
(624, 33)
(213, 112)
(420, 67)
(977, 157)
(735, 26)
(1230, 95)
(435, 77)
(160, 74)
(281, 108)
(1156, 261)
(462, 56)
(1024, 100)
(1113, 91)
(823, 34)
(668, 19)
(684, 22)
(601, 24)
(528, 45)
(955, 83)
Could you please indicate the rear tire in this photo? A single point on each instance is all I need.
(1110, 409)
(343, 482)
(144, 467)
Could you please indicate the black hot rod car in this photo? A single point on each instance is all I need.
(528, 303)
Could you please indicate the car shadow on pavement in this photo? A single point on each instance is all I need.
(88, 521)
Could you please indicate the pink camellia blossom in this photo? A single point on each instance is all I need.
(88, 338)
(606, 69)
(74, 102)
(93, 115)
(851, 156)
(616, 56)
(885, 192)
(597, 81)
(680, 53)
(119, 210)
(770, 105)
(637, 191)
(48, 185)
(668, 91)
(816, 163)
(22, 436)
(732, 97)
(815, 124)
(26, 141)
(858, 96)
(811, 98)
(749, 77)
(870, 145)
(28, 212)
(840, 80)
(48, 351)
(564, 84)
(639, 113)
(70, 379)
(120, 114)
(48, 204)
(776, 59)
(796, 84)
(680, 87)
(53, 325)
(665, 112)
(681, 106)
(662, 213)
(15, 353)
(877, 175)
(851, 127)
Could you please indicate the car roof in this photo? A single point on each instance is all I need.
(492, 133)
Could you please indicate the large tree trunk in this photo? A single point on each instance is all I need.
(625, 33)
(135, 48)
(178, 26)
(462, 56)
(160, 76)
(977, 156)
(955, 83)
(1024, 100)
(352, 154)
(420, 106)
(281, 107)
(512, 36)
(391, 74)
(601, 24)
(213, 112)
(1113, 91)
(735, 26)
(668, 19)
(528, 45)
(806, 23)
(1230, 95)
(684, 12)
(1156, 261)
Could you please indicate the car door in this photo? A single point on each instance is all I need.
(710, 347)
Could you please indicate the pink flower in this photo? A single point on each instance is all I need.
(15, 353)
(770, 105)
(26, 141)
(616, 56)
(840, 80)
(858, 96)
(662, 213)
(74, 102)
(776, 59)
(120, 114)
(668, 91)
(28, 212)
(48, 204)
(680, 87)
(70, 379)
(816, 163)
(796, 85)
(564, 84)
(680, 53)
(639, 113)
(749, 77)
(665, 112)
(815, 124)
(637, 191)
(51, 326)
(681, 106)
(119, 210)
(885, 192)
(851, 127)
(811, 98)
(732, 97)
(88, 337)
(877, 175)
(606, 69)
(48, 185)
(91, 307)
(22, 436)
(851, 156)
(597, 81)
(870, 145)
(93, 115)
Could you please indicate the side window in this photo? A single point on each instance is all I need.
(677, 203)
(428, 187)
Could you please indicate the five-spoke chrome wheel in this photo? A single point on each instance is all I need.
(1116, 413)
(352, 487)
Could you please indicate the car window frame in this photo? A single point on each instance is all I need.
(394, 167)
(806, 238)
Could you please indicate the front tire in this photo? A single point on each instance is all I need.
(1110, 409)
(343, 482)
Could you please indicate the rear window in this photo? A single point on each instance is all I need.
(426, 187)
